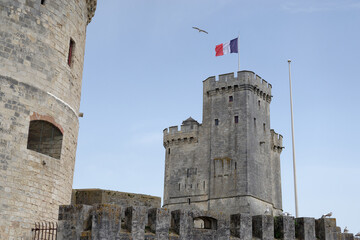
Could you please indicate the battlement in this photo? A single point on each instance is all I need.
(91, 7)
(276, 141)
(189, 131)
(245, 80)
(105, 221)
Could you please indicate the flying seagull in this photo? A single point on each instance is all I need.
(327, 215)
(200, 30)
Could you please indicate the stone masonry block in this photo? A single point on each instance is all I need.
(263, 227)
(325, 229)
(223, 229)
(305, 228)
(347, 236)
(181, 224)
(73, 220)
(159, 222)
(135, 218)
(106, 222)
(241, 226)
(284, 227)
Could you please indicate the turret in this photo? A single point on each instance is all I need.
(42, 57)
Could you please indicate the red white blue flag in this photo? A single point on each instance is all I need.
(225, 48)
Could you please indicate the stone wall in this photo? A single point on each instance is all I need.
(104, 221)
(123, 199)
(37, 83)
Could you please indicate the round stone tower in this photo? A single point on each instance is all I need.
(42, 45)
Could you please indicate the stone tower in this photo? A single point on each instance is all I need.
(230, 162)
(42, 45)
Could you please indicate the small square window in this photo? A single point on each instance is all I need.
(236, 119)
(216, 122)
(231, 98)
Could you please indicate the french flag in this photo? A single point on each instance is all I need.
(225, 48)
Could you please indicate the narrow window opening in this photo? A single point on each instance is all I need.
(187, 173)
(197, 186)
(45, 138)
(204, 184)
(236, 119)
(42, 2)
(255, 123)
(231, 98)
(179, 186)
(264, 127)
(169, 151)
(259, 104)
(189, 201)
(71, 52)
(191, 186)
(235, 165)
(216, 122)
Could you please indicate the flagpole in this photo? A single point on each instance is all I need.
(293, 143)
(238, 52)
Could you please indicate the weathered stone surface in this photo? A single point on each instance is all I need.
(263, 227)
(284, 227)
(241, 226)
(73, 220)
(305, 228)
(325, 229)
(123, 199)
(221, 164)
(106, 222)
(159, 223)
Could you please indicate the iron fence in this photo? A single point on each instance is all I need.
(44, 231)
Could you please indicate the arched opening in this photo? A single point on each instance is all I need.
(205, 223)
(45, 138)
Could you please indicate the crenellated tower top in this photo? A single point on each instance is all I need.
(91, 6)
(244, 80)
(189, 131)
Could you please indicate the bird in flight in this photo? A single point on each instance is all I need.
(200, 30)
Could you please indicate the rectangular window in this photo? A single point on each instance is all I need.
(236, 119)
(71, 52)
(169, 150)
(216, 122)
(231, 98)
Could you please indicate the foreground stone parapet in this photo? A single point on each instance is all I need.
(106, 221)
(73, 220)
(159, 223)
(263, 227)
(284, 227)
(326, 228)
(241, 226)
(305, 228)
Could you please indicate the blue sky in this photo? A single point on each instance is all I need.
(143, 72)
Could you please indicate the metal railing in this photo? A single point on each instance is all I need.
(44, 231)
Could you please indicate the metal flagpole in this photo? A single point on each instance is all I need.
(238, 52)
(293, 144)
